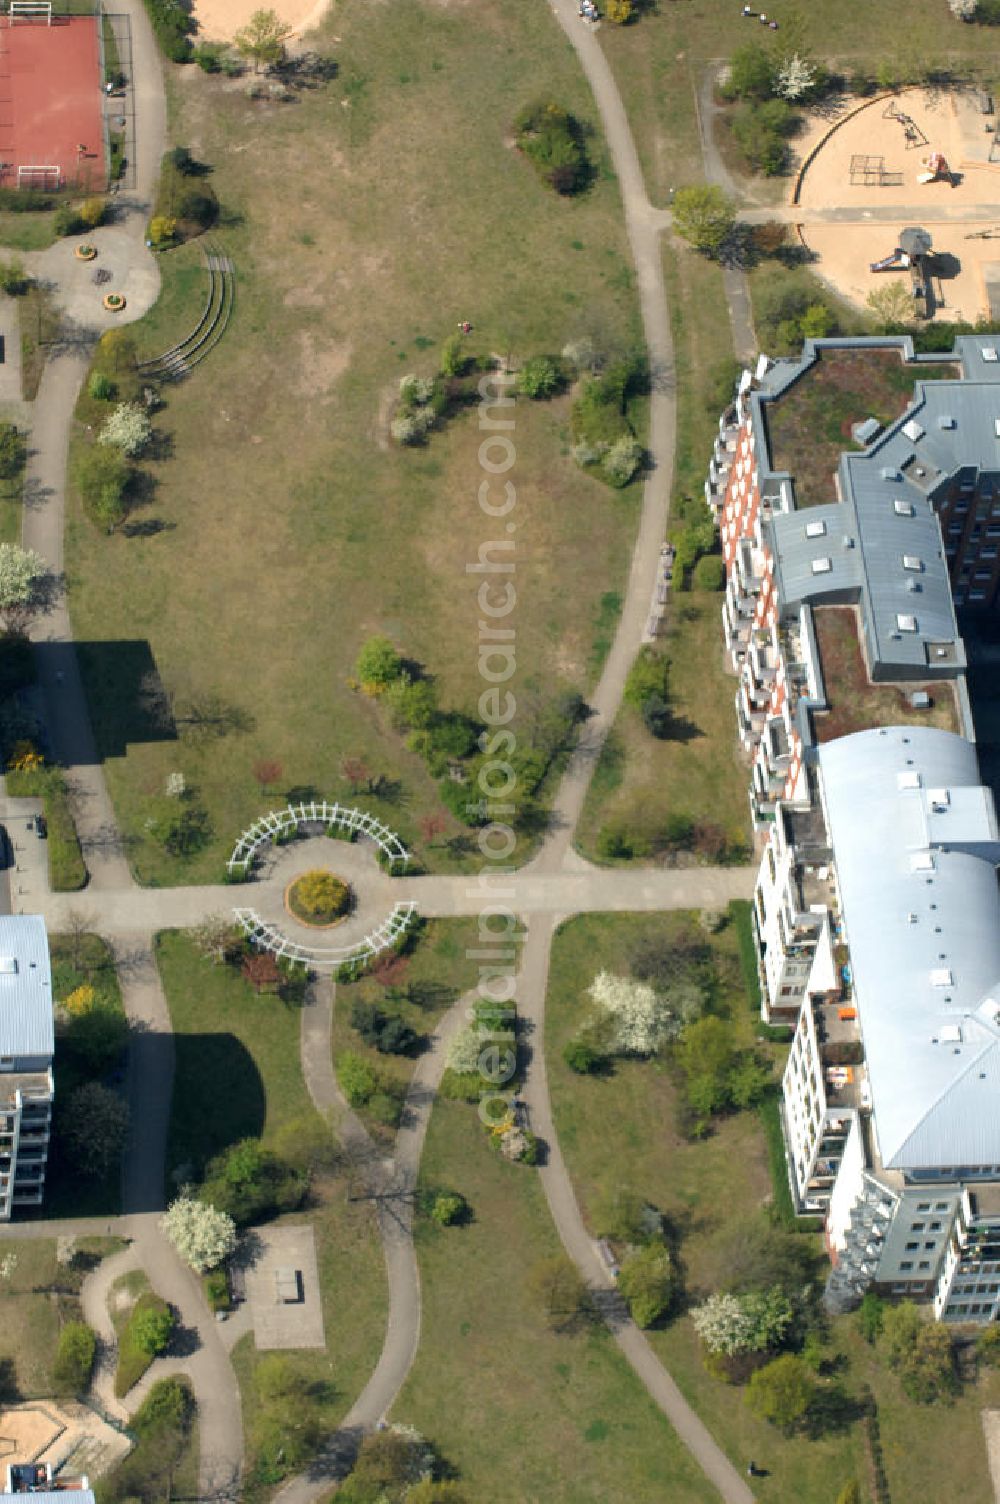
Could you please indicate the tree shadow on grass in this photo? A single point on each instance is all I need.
(218, 1099)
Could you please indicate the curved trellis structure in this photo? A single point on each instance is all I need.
(332, 817)
(271, 937)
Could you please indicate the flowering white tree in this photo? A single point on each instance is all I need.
(641, 1020)
(201, 1234)
(963, 10)
(176, 786)
(20, 571)
(752, 1323)
(128, 429)
(795, 77)
(462, 1054)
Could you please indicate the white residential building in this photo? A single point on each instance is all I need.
(26, 1049)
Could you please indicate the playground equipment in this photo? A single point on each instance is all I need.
(912, 134)
(30, 10)
(896, 261)
(915, 243)
(912, 254)
(937, 168)
(870, 172)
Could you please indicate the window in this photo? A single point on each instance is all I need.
(916, 1227)
(906, 1264)
(924, 1206)
(924, 1264)
(930, 1247)
(912, 1247)
(935, 1227)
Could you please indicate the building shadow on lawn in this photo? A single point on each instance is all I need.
(218, 1099)
(127, 699)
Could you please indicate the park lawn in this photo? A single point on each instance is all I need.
(554, 1416)
(237, 1072)
(33, 1313)
(640, 780)
(355, 1296)
(440, 970)
(659, 61)
(629, 1116)
(31, 231)
(919, 1442)
(696, 772)
(238, 1075)
(183, 294)
(281, 526)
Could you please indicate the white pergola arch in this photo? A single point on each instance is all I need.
(335, 817)
(267, 936)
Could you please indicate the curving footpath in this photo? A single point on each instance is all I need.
(557, 883)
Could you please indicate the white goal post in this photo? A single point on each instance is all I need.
(30, 10)
(39, 177)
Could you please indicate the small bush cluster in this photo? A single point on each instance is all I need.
(250, 1183)
(452, 744)
(763, 84)
(364, 1086)
(385, 1032)
(184, 196)
(604, 441)
(147, 1334)
(553, 141)
(172, 22)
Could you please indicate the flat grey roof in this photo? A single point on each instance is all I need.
(923, 928)
(25, 987)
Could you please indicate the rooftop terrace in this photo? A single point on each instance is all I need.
(809, 426)
(855, 702)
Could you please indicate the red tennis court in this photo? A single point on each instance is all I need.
(51, 103)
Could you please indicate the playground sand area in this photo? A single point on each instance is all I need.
(887, 195)
(220, 20)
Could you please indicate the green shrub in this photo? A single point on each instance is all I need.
(378, 664)
(151, 1329)
(357, 1078)
(148, 1319)
(552, 140)
(386, 1108)
(101, 387)
(648, 1282)
(448, 1207)
(172, 22)
(208, 56)
(250, 1183)
(622, 460)
(583, 1058)
(382, 1031)
(647, 676)
(709, 573)
(539, 377)
(752, 73)
(13, 278)
(102, 474)
(761, 131)
(67, 221)
(74, 1358)
(216, 1287)
(656, 716)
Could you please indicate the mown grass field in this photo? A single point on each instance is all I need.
(522, 1412)
(237, 1076)
(281, 526)
(627, 1119)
